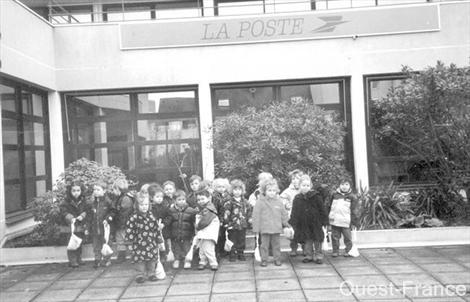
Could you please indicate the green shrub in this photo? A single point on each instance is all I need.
(277, 139)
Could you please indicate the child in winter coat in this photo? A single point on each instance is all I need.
(142, 232)
(102, 215)
(262, 177)
(169, 189)
(207, 230)
(160, 208)
(180, 221)
(307, 218)
(269, 219)
(219, 198)
(287, 197)
(237, 216)
(194, 183)
(342, 215)
(124, 206)
(74, 210)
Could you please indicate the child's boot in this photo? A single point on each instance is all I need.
(232, 256)
(79, 256)
(187, 265)
(106, 261)
(121, 257)
(241, 256)
(72, 256)
(97, 263)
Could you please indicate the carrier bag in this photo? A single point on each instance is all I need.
(106, 250)
(159, 270)
(288, 232)
(354, 252)
(228, 243)
(257, 254)
(170, 257)
(326, 244)
(189, 255)
(74, 241)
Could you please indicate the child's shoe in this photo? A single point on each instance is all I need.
(277, 263)
(176, 264)
(264, 263)
(121, 257)
(346, 254)
(153, 278)
(187, 265)
(307, 260)
(334, 254)
(319, 261)
(214, 267)
(106, 262)
(201, 267)
(140, 279)
(293, 253)
(232, 257)
(97, 263)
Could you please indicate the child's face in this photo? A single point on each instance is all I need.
(237, 192)
(296, 181)
(169, 190)
(202, 200)
(144, 206)
(305, 186)
(345, 187)
(98, 191)
(195, 185)
(158, 197)
(180, 201)
(220, 188)
(271, 191)
(75, 191)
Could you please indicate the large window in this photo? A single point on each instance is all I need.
(328, 94)
(25, 146)
(153, 135)
(386, 163)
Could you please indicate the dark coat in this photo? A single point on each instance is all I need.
(141, 230)
(180, 222)
(101, 210)
(219, 200)
(237, 213)
(192, 200)
(308, 216)
(72, 208)
(160, 211)
(124, 207)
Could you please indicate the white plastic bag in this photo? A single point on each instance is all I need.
(106, 250)
(326, 244)
(257, 254)
(74, 241)
(160, 271)
(228, 243)
(170, 257)
(354, 252)
(288, 233)
(189, 255)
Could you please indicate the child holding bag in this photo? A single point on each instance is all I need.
(74, 210)
(142, 232)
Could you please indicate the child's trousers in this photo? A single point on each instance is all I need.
(180, 248)
(121, 244)
(336, 236)
(309, 249)
(238, 239)
(272, 240)
(207, 252)
(146, 268)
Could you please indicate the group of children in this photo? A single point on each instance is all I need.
(161, 220)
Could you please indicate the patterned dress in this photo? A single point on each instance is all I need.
(142, 231)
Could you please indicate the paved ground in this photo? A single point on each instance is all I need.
(398, 274)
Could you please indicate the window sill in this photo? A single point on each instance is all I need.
(18, 216)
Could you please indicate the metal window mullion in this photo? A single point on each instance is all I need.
(21, 151)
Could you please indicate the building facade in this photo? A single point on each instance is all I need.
(138, 84)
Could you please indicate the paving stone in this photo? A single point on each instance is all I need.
(29, 286)
(439, 299)
(360, 281)
(281, 296)
(58, 295)
(400, 269)
(318, 272)
(111, 282)
(272, 267)
(357, 270)
(193, 278)
(431, 260)
(43, 277)
(150, 290)
(153, 299)
(101, 293)
(19, 296)
(416, 279)
(229, 276)
(121, 273)
(382, 293)
(417, 252)
(190, 289)
(310, 265)
(235, 267)
(453, 277)
(430, 292)
(390, 261)
(321, 282)
(277, 284)
(347, 261)
(70, 284)
(443, 267)
(233, 287)
(190, 298)
(279, 274)
(329, 295)
(239, 297)
(86, 275)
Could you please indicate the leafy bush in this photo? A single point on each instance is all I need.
(45, 208)
(277, 139)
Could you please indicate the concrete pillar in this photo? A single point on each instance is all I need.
(55, 135)
(359, 128)
(205, 120)
(97, 12)
(2, 188)
(208, 8)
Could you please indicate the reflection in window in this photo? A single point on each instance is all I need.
(188, 9)
(9, 131)
(229, 8)
(166, 102)
(7, 95)
(11, 164)
(71, 14)
(236, 98)
(167, 129)
(128, 13)
(102, 105)
(282, 6)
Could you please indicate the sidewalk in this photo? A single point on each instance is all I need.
(398, 274)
